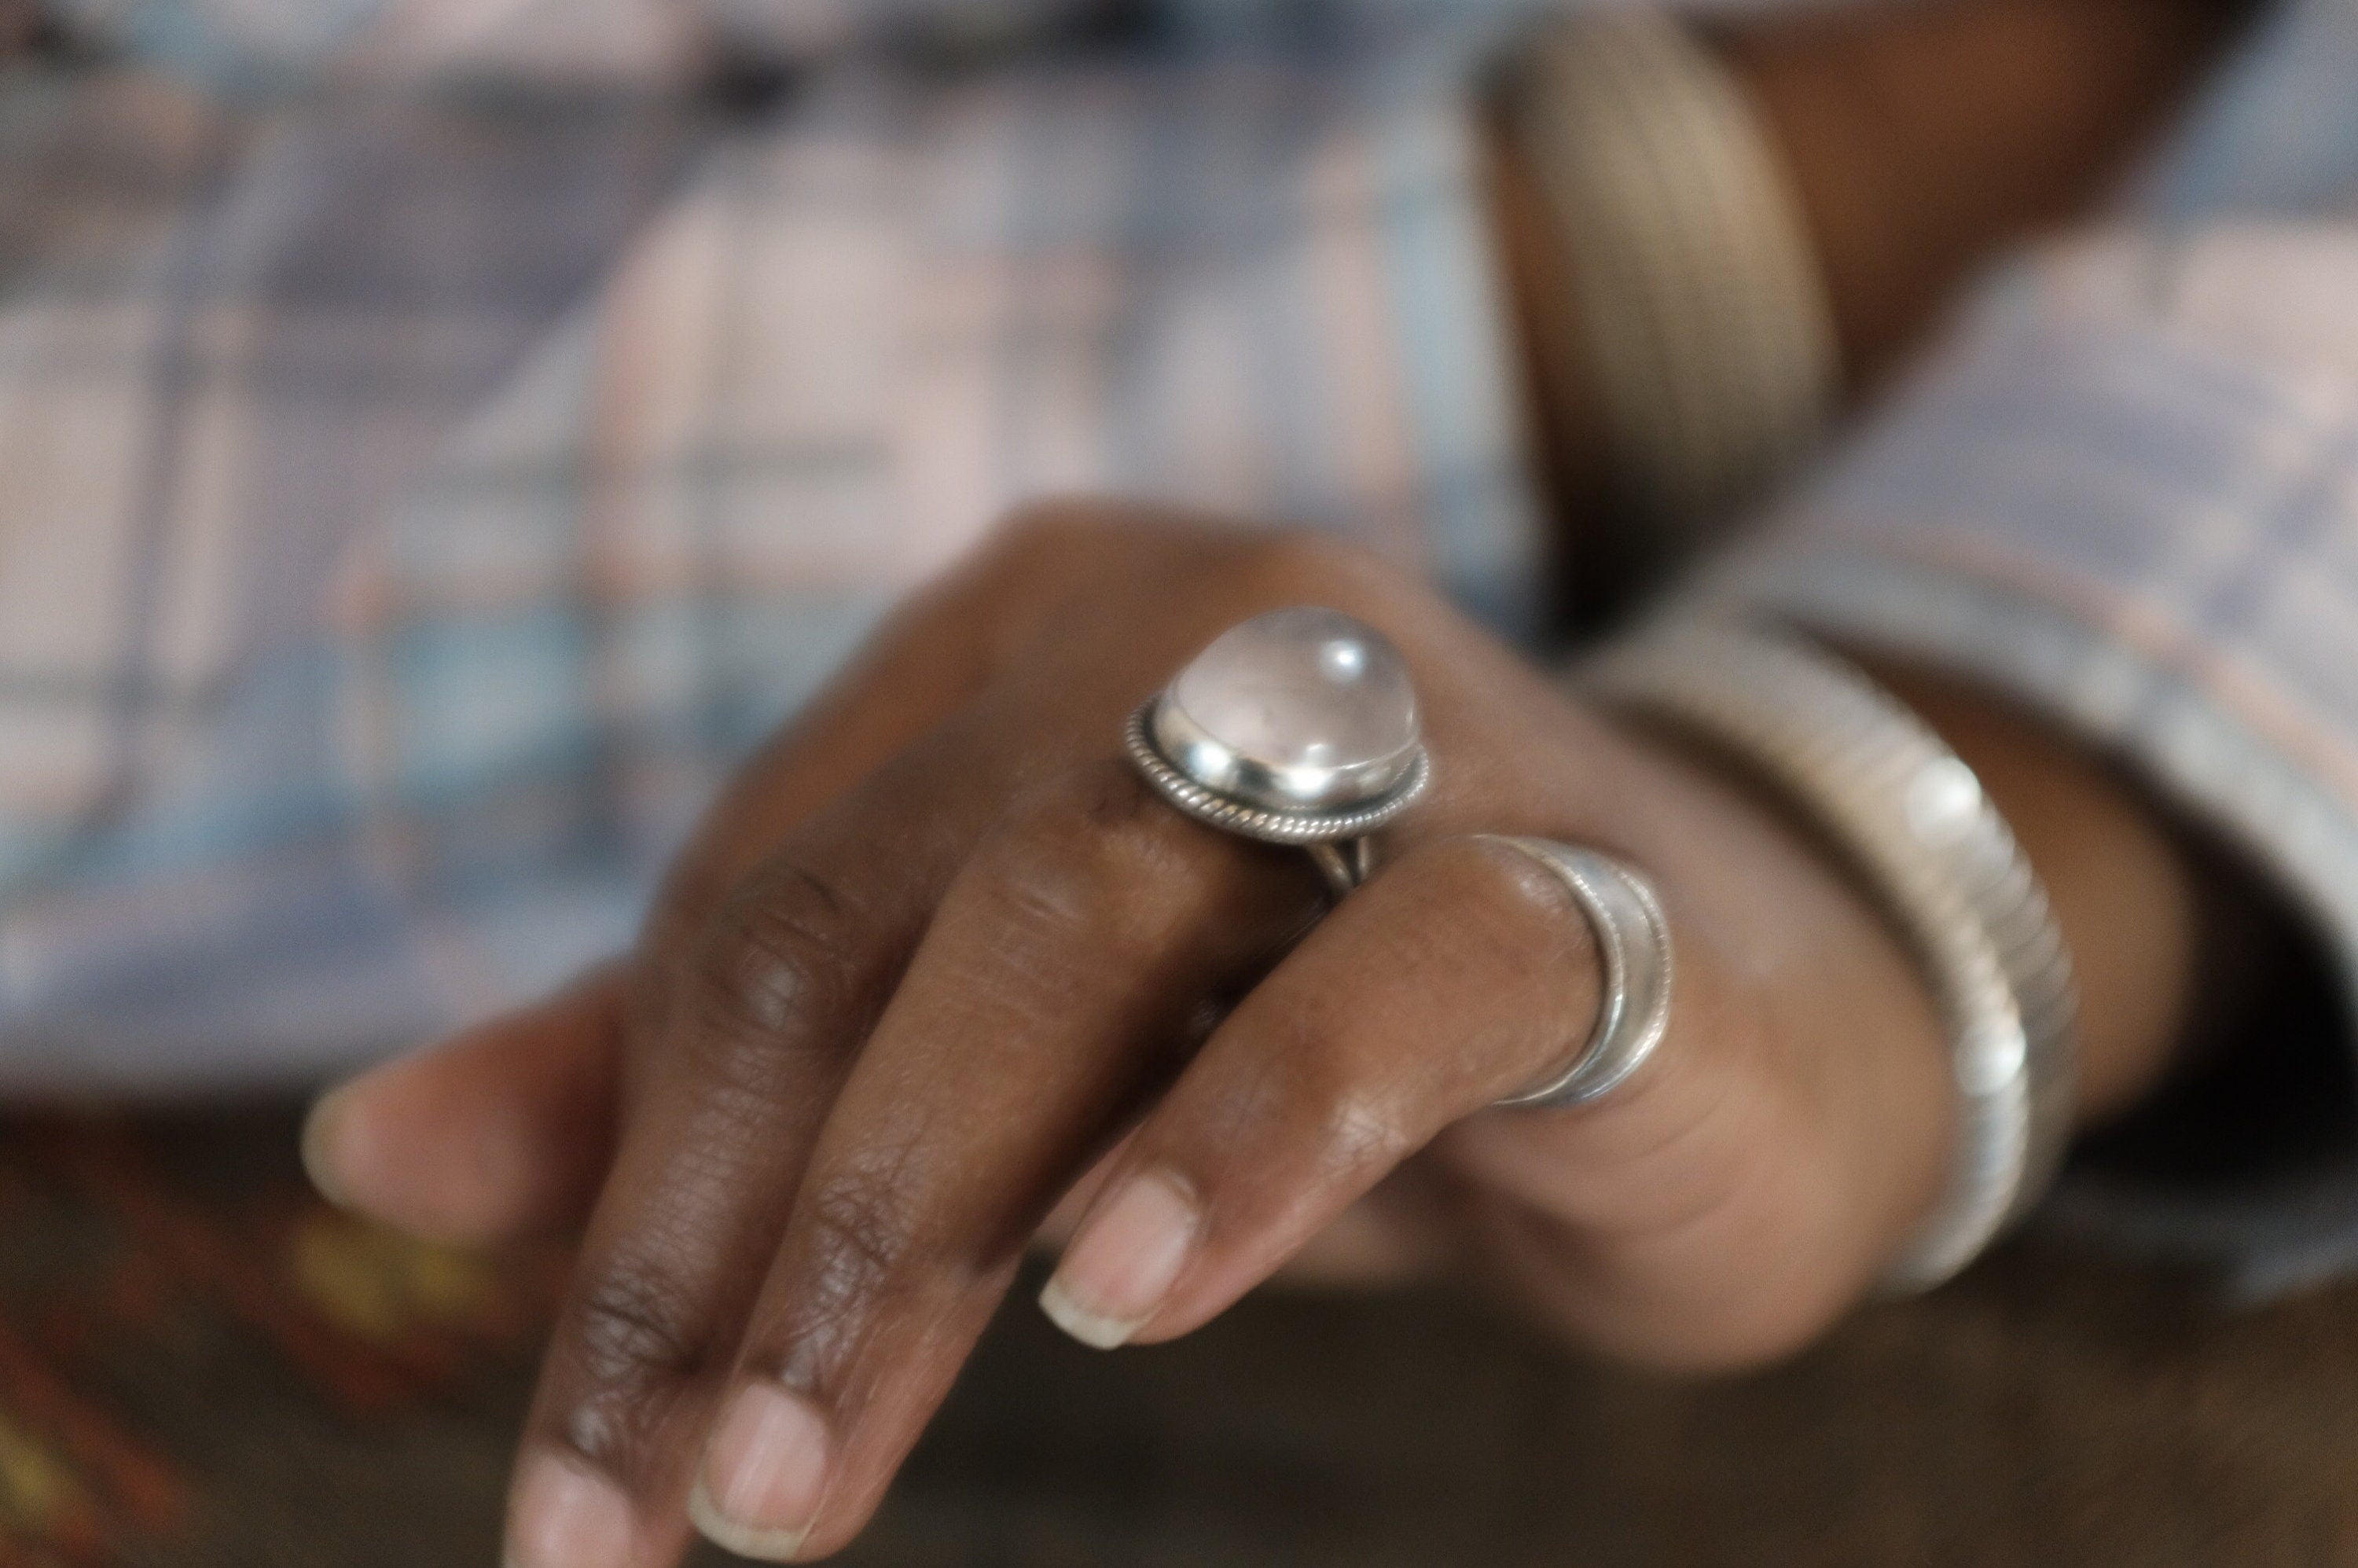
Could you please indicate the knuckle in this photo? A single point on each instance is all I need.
(1314, 1095)
(1070, 541)
(636, 1336)
(858, 1230)
(1784, 1311)
(862, 1222)
(635, 1322)
(1357, 1126)
(1346, 1114)
(1054, 530)
(1277, 566)
(1086, 856)
(782, 952)
(1100, 799)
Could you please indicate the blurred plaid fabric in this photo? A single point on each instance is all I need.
(414, 498)
(437, 437)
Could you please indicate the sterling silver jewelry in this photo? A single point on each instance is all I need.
(1705, 327)
(1912, 817)
(1633, 945)
(1296, 726)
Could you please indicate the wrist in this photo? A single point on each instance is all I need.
(1923, 138)
(1916, 142)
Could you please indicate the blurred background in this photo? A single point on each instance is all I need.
(201, 1363)
(438, 439)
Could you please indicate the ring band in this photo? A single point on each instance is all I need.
(1633, 945)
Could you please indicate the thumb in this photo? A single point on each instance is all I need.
(501, 1130)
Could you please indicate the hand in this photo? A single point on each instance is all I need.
(941, 960)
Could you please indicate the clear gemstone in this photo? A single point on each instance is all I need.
(1310, 705)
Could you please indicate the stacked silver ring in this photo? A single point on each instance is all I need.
(1633, 947)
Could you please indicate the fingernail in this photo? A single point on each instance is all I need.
(565, 1517)
(320, 1147)
(764, 1474)
(1123, 1263)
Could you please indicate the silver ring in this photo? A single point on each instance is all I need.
(1633, 942)
(1297, 726)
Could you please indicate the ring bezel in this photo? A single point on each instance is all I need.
(1214, 765)
(1270, 825)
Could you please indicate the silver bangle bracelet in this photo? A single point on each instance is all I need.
(1706, 330)
(1912, 816)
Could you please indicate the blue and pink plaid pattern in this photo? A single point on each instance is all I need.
(437, 437)
(414, 499)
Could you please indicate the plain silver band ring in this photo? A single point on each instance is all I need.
(1633, 943)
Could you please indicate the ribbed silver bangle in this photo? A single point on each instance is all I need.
(1709, 339)
(1914, 819)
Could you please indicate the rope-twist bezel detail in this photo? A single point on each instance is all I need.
(1258, 822)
